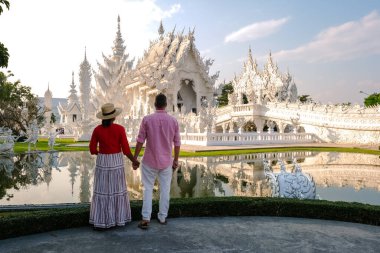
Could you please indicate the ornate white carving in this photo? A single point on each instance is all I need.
(295, 184)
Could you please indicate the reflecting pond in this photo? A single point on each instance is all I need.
(45, 178)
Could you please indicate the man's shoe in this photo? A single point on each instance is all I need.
(143, 224)
(162, 222)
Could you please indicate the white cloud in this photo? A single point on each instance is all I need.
(347, 41)
(205, 52)
(46, 39)
(256, 30)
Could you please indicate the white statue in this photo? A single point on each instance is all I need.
(32, 134)
(51, 141)
(9, 141)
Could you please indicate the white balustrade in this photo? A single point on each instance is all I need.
(251, 138)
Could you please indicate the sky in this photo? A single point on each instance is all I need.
(331, 48)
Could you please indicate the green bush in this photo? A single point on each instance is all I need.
(22, 222)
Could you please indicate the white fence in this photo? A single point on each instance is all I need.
(60, 136)
(235, 139)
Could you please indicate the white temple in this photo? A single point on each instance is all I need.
(264, 86)
(263, 108)
(71, 112)
(171, 65)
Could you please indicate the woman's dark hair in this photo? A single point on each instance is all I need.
(107, 122)
(160, 101)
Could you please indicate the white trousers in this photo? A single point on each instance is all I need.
(149, 176)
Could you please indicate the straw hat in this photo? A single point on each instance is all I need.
(108, 111)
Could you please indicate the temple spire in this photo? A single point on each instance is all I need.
(48, 93)
(118, 48)
(73, 98)
(85, 85)
(72, 80)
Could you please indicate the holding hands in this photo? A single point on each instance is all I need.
(135, 164)
(175, 164)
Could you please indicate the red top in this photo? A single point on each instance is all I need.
(111, 140)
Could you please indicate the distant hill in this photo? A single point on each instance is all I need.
(55, 102)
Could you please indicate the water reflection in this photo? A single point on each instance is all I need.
(40, 178)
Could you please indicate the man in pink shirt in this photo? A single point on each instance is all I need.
(161, 131)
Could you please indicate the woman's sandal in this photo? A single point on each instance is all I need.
(143, 224)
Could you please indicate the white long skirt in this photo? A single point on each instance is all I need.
(110, 201)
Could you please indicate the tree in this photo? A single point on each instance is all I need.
(344, 104)
(53, 118)
(3, 2)
(373, 99)
(4, 55)
(305, 99)
(223, 98)
(14, 97)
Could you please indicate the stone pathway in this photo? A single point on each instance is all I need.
(221, 234)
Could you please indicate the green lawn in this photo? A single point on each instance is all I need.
(42, 145)
(66, 145)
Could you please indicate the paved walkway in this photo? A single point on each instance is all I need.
(222, 234)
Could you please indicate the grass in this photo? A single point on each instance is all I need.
(67, 145)
(42, 145)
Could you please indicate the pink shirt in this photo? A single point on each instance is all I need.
(160, 130)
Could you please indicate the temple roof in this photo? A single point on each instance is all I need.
(273, 84)
(166, 54)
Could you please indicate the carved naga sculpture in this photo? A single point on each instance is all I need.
(295, 184)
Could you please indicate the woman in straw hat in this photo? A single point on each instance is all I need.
(110, 202)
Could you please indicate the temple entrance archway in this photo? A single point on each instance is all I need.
(186, 97)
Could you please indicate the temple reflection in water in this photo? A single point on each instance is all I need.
(42, 178)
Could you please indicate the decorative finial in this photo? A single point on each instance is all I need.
(161, 30)
(191, 34)
(250, 54)
(85, 53)
(270, 61)
(118, 23)
(174, 29)
(72, 79)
